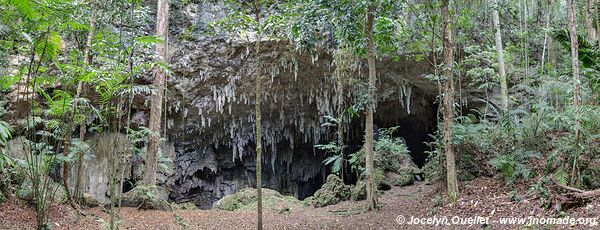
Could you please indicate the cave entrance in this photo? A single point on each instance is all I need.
(415, 128)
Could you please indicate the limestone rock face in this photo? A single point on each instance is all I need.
(210, 118)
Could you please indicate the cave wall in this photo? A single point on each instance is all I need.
(211, 118)
(211, 112)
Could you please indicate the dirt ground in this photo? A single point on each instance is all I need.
(484, 197)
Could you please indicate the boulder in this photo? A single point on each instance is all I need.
(147, 197)
(90, 201)
(55, 190)
(184, 206)
(381, 181)
(332, 192)
(245, 199)
(359, 191)
(400, 179)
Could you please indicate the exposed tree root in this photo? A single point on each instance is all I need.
(574, 196)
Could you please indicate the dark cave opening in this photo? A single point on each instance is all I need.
(128, 185)
(414, 128)
(296, 167)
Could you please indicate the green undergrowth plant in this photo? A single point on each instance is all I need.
(336, 147)
(391, 154)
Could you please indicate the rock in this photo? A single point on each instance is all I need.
(400, 179)
(184, 206)
(146, 197)
(381, 181)
(90, 201)
(60, 195)
(359, 191)
(57, 191)
(204, 173)
(246, 200)
(332, 192)
(24, 191)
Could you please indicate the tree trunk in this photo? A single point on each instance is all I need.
(500, 56)
(576, 81)
(448, 102)
(82, 127)
(547, 38)
(68, 137)
(340, 128)
(257, 105)
(369, 154)
(162, 29)
(590, 29)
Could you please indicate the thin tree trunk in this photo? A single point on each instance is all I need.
(257, 107)
(576, 81)
(547, 38)
(82, 127)
(369, 153)
(439, 85)
(68, 137)
(500, 55)
(340, 128)
(448, 103)
(590, 29)
(162, 28)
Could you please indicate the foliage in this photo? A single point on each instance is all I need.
(336, 160)
(514, 165)
(391, 154)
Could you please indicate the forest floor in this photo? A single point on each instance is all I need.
(486, 197)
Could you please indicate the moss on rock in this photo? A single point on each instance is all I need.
(89, 200)
(359, 191)
(245, 199)
(184, 206)
(400, 179)
(146, 197)
(332, 192)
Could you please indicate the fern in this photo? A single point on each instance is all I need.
(5, 132)
(514, 165)
(25, 8)
(49, 45)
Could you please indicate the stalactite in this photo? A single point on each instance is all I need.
(407, 98)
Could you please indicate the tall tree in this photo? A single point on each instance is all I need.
(257, 105)
(576, 81)
(551, 51)
(452, 181)
(68, 135)
(82, 128)
(500, 56)
(162, 29)
(589, 16)
(547, 38)
(369, 153)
